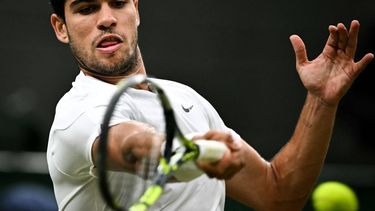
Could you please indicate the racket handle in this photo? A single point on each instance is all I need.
(210, 151)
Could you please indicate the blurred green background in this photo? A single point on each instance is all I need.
(235, 53)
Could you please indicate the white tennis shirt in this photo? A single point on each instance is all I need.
(77, 123)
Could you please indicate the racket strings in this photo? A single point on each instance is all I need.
(149, 164)
(142, 189)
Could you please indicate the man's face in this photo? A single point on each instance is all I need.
(103, 34)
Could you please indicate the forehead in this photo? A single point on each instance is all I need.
(73, 2)
(85, 1)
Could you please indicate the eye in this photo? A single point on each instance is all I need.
(118, 4)
(86, 10)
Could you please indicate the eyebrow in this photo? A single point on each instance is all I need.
(76, 2)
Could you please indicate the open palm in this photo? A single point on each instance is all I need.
(331, 74)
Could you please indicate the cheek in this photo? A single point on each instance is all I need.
(80, 34)
(129, 19)
(130, 25)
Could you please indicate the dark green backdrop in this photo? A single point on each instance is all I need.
(235, 53)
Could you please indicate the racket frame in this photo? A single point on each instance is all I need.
(165, 169)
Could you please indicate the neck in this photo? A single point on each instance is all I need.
(107, 79)
(138, 69)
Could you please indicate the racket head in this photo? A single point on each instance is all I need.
(126, 188)
(120, 190)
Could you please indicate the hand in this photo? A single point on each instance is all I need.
(231, 163)
(141, 147)
(331, 74)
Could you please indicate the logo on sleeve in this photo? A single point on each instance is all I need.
(187, 109)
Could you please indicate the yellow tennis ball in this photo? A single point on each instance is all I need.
(334, 196)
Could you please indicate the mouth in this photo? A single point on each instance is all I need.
(109, 44)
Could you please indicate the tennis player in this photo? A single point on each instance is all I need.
(102, 35)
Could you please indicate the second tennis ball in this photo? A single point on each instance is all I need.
(334, 196)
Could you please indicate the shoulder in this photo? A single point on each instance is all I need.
(170, 83)
(173, 87)
(86, 94)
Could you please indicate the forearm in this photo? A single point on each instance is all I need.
(125, 142)
(292, 173)
(296, 167)
(286, 181)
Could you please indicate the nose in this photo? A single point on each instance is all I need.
(106, 18)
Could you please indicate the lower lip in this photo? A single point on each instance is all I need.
(110, 49)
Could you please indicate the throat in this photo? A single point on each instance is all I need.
(108, 79)
(115, 79)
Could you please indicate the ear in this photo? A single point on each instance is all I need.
(59, 27)
(137, 11)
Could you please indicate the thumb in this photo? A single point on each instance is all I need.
(299, 50)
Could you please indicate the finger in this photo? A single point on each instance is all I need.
(361, 64)
(351, 47)
(343, 36)
(333, 37)
(299, 50)
(217, 135)
(211, 169)
(220, 170)
(225, 137)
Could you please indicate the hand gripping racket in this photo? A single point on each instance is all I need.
(153, 178)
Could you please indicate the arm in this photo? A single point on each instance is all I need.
(286, 181)
(128, 143)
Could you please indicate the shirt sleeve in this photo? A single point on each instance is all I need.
(72, 150)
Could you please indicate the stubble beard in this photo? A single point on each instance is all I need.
(90, 63)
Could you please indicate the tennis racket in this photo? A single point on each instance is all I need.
(144, 187)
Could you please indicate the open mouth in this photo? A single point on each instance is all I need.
(109, 44)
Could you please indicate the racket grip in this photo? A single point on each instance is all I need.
(210, 151)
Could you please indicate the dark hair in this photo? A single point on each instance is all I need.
(58, 7)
